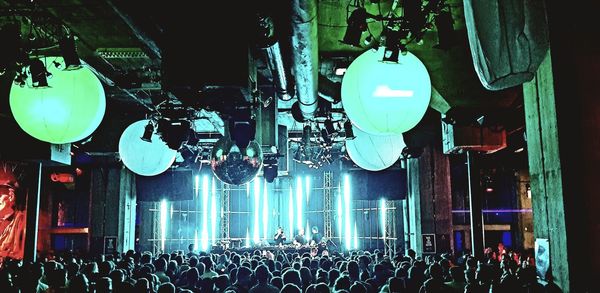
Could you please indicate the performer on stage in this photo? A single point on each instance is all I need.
(316, 236)
(279, 237)
(300, 240)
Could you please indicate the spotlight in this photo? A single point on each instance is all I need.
(174, 132)
(306, 134)
(329, 126)
(488, 184)
(242, 128)
(270, 173)
(148, 132)
(38, 73)
(357, 24)
(69, 53)
(394, 34)
(348, 130)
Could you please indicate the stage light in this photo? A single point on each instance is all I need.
(385, 98)
(393, 35)
(163, 224)
(291, 212)
(374, 152)
(340, 214)
(39, 74)
(256, 233)
(265, 212)
(299, 202)
(148, 131)
(348, 130)
(69, 110)
(355, 236)
(357, 24)
(69, 53)
(382, 211)
(347, 213)
(204, 238)
(143, 158)
(270, 172)
(174, 132)
(213, 211)
(306, 134)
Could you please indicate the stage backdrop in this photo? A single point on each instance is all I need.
(256, 209)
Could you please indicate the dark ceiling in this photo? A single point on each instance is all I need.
(150, 51)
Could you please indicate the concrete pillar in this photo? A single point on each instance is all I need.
(429, 204)
(113, 208)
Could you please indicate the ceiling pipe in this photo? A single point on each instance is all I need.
(268, 42)
(305, 55)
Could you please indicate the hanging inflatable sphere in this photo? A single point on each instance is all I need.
(374, 152)
(69, 109)
(233, 165)
(147, 158)
(385, 98)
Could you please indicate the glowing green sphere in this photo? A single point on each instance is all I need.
(142, 157)
(374, 152)
(385, 98)
(70, 109)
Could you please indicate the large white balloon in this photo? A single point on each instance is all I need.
(142, 157)
(68, 110)
(374, 152)
(386, 98)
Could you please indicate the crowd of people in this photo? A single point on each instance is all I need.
(274, 271)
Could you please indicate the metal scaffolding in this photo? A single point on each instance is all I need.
(327, 210)
(155, 237)
(389, 235)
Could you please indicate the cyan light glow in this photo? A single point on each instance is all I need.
(382, 210)
(196, 188)
(247, 244)
(347, 213)
(195, 238)
(299, 202)
(340, 214)
(142, 157)
(69, 110)
(355, 236)
(291, 213)
(307, 232)
(256, 230)
(374, 152)
(265, 211)
(163, 223)
(307, 189)
(204, 237)
(213, 211)
(385, 98)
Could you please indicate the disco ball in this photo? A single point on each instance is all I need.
(233, 165)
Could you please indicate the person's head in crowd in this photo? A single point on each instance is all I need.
(193, 261)
(262, 274)
(342, 283)
(167, 287)
(222, 282)
(292, 277)
(208, 263)
(364, 275)
(333, 275)
(146, 258)
(322, 288)
(456, 273)
(290, 288)
(207, 285)
(277, 282)
(78, 284)
(353, 270)
(142, 286)
(104, 285)
(435, 272)
(396, 284)
(306, 277)
(160, 265)
(357, 287)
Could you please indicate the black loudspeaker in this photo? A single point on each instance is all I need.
(388, 184)
(171, 185)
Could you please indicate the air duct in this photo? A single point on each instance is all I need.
(305, 54)
(267, 41)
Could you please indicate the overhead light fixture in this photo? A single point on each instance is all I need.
(306, 134)
(174, 132)
(69, 53)
(148, 131)
(38, 73)
(357, 24)
(348, 130)
(394, 33)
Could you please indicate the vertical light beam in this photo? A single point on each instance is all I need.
(163, 224)
(340, 213)
(355, 236)
(382, 211)
(347, 220)
(291, 214)
(299, 201)
(256, 230)
(213, 211)
(204, 232)
(265, 212)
